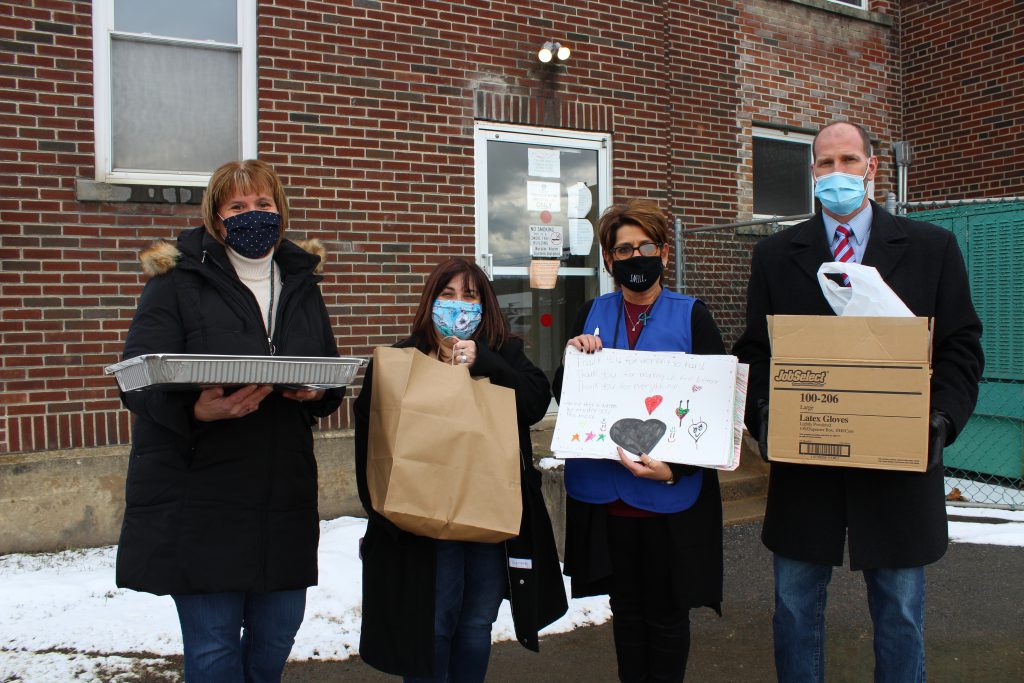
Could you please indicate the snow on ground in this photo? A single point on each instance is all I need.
(62, 618)
(1006, 528)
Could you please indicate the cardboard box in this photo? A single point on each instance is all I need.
(850, 391)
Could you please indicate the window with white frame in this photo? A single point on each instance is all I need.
(175, 88)
(859, 4)
(783, 184)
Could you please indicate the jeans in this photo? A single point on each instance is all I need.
(470, 584)
(896, 604)
(651, 632)
(238, 637)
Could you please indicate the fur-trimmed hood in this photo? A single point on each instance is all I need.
(163, 255)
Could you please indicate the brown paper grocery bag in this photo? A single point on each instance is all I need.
(443, 457)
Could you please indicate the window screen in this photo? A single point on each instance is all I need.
(782, 177)
(175, 83)
(173, 107)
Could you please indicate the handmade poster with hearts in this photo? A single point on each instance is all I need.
(674, 406)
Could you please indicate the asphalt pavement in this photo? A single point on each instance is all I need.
(974, 627)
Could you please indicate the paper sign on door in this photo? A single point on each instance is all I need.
(546, 241)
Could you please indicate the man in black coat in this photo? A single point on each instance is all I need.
(896, 521)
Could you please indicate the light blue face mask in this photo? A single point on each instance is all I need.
(840, 193)
(456, 318)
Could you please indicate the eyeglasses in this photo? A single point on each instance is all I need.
(621, 252)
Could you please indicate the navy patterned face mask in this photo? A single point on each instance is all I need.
(253, 233)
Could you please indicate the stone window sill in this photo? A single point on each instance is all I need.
(93, 191)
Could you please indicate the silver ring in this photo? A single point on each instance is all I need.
(462, 358)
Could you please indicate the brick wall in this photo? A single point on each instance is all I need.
(963, 65)
(705, 77)
(367, 110)
(67, 293)
(781, 63)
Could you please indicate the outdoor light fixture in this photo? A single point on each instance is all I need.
(551, 50)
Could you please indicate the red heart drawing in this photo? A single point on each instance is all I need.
(652, 402)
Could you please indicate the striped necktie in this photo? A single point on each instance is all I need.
(843, 250)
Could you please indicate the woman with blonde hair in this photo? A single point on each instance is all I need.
(221, 494)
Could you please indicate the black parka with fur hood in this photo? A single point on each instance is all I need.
(229, 505)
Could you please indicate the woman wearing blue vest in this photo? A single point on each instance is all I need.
(646, 532)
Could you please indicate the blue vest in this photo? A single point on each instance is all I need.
(603, 481)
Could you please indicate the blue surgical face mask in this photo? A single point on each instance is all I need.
(456, 318)
(840, 193)
(253, 233)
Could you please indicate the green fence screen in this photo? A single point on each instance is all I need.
(986, 464)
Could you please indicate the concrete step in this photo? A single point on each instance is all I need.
(745, 482)
(743, 511)
(744, 491)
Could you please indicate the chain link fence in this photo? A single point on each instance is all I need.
(984, 466)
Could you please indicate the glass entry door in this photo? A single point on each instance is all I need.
(534, 190)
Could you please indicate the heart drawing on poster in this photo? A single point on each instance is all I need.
(652, 402)
(637, 436)
(697, 429)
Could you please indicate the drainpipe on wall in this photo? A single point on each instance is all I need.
(680, 254)
(901, 152)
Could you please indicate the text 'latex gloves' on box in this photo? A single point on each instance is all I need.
(867, 295)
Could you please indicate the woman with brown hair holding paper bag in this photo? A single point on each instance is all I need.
(646, 532)
(428, 605)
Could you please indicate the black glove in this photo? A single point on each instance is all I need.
(938, 429)
(762, 427)
(679, 471)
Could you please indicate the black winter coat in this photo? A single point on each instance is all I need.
(894, 519)
(399, 568)
(229, 505)
(696, 532)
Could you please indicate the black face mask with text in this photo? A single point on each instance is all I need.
(638, 273)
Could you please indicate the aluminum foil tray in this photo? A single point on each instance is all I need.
(186, 371)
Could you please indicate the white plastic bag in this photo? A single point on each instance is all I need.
(867, 295)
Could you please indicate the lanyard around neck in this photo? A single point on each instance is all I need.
(270, 311)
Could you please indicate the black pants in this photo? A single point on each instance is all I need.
(652, 633)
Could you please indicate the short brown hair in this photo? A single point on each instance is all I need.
(643, 213)
(248, 176)
(493, 326)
